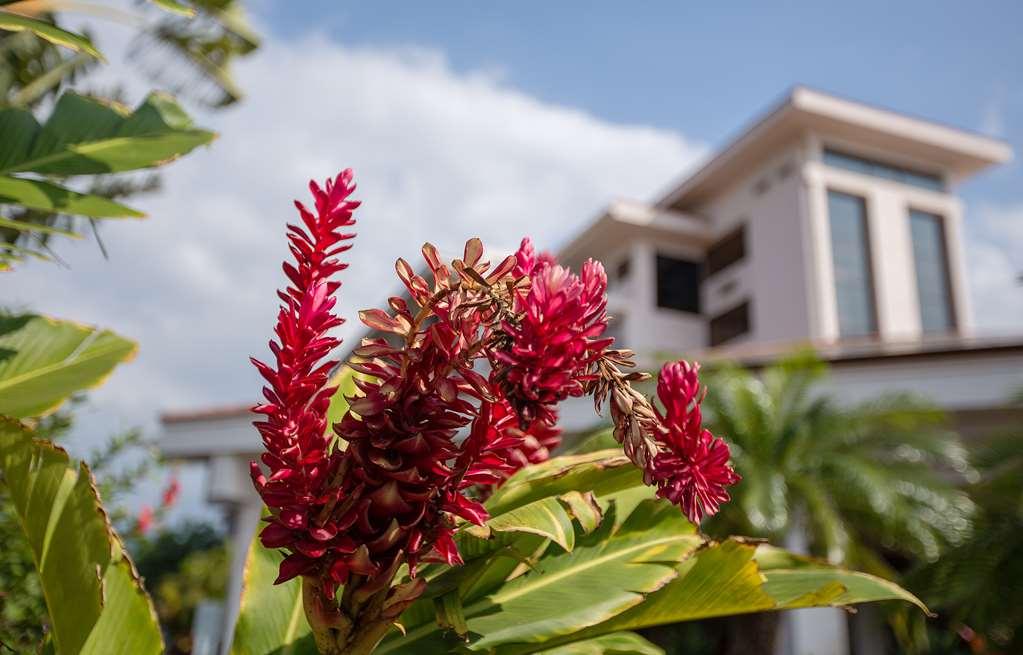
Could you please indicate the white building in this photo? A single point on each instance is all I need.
(827, 222)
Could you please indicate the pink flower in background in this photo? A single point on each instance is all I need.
(170, 493)
(145, 519)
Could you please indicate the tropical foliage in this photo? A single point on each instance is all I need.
(975, 584)
(864, 480)
(64, 172)
(383, 520)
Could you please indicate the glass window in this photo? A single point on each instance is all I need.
(866, 166)
(728, 325)
(930, 258)
(727, 251)
(678, 284)
(850, 252)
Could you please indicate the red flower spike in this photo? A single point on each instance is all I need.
(301, 465)
(691, 470)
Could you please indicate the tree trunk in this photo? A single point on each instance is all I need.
(751, 634)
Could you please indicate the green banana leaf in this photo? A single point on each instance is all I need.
(44, 360)
(94, 597)
(17, 22)
(618, 643)
(86, 136)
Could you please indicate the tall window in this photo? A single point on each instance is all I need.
(930, 258)
(850, 251)
(678, 284)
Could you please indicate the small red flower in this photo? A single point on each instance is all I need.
(170, 493)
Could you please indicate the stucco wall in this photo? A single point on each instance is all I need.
(773, 273)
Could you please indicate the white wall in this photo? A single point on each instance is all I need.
(773, 274)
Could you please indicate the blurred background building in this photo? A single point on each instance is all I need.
(827, 223)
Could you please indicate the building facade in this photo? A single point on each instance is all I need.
(826, 223)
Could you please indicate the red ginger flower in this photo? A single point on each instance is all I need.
(691, 467)
(299, 489)
(556, 339)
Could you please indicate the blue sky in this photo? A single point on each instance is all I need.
(707, 70)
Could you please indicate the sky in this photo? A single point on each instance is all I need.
(494, 120)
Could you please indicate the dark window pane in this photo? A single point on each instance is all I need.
(931, 263)
(678, 284)
(850, 251)
(622, 270)
(899, 174)
(727, 251)
(729, 325)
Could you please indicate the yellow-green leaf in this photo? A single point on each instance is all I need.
(94, 598)
(48, 360)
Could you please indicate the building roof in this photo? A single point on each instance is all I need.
(959, 152)
(624, 220)
(867, 350)
(219, 412)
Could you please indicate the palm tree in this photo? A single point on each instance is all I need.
(977, 586)
(871, 485)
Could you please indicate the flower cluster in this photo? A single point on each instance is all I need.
(555, 342)
(428, 436)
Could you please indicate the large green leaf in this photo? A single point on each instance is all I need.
(271, 619)
(553, 602)
(95, 600)
(85, 136)
(88, 136)
(738, 577)
(48, 360)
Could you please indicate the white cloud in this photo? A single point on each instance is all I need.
(995, 264)
(440, 156)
